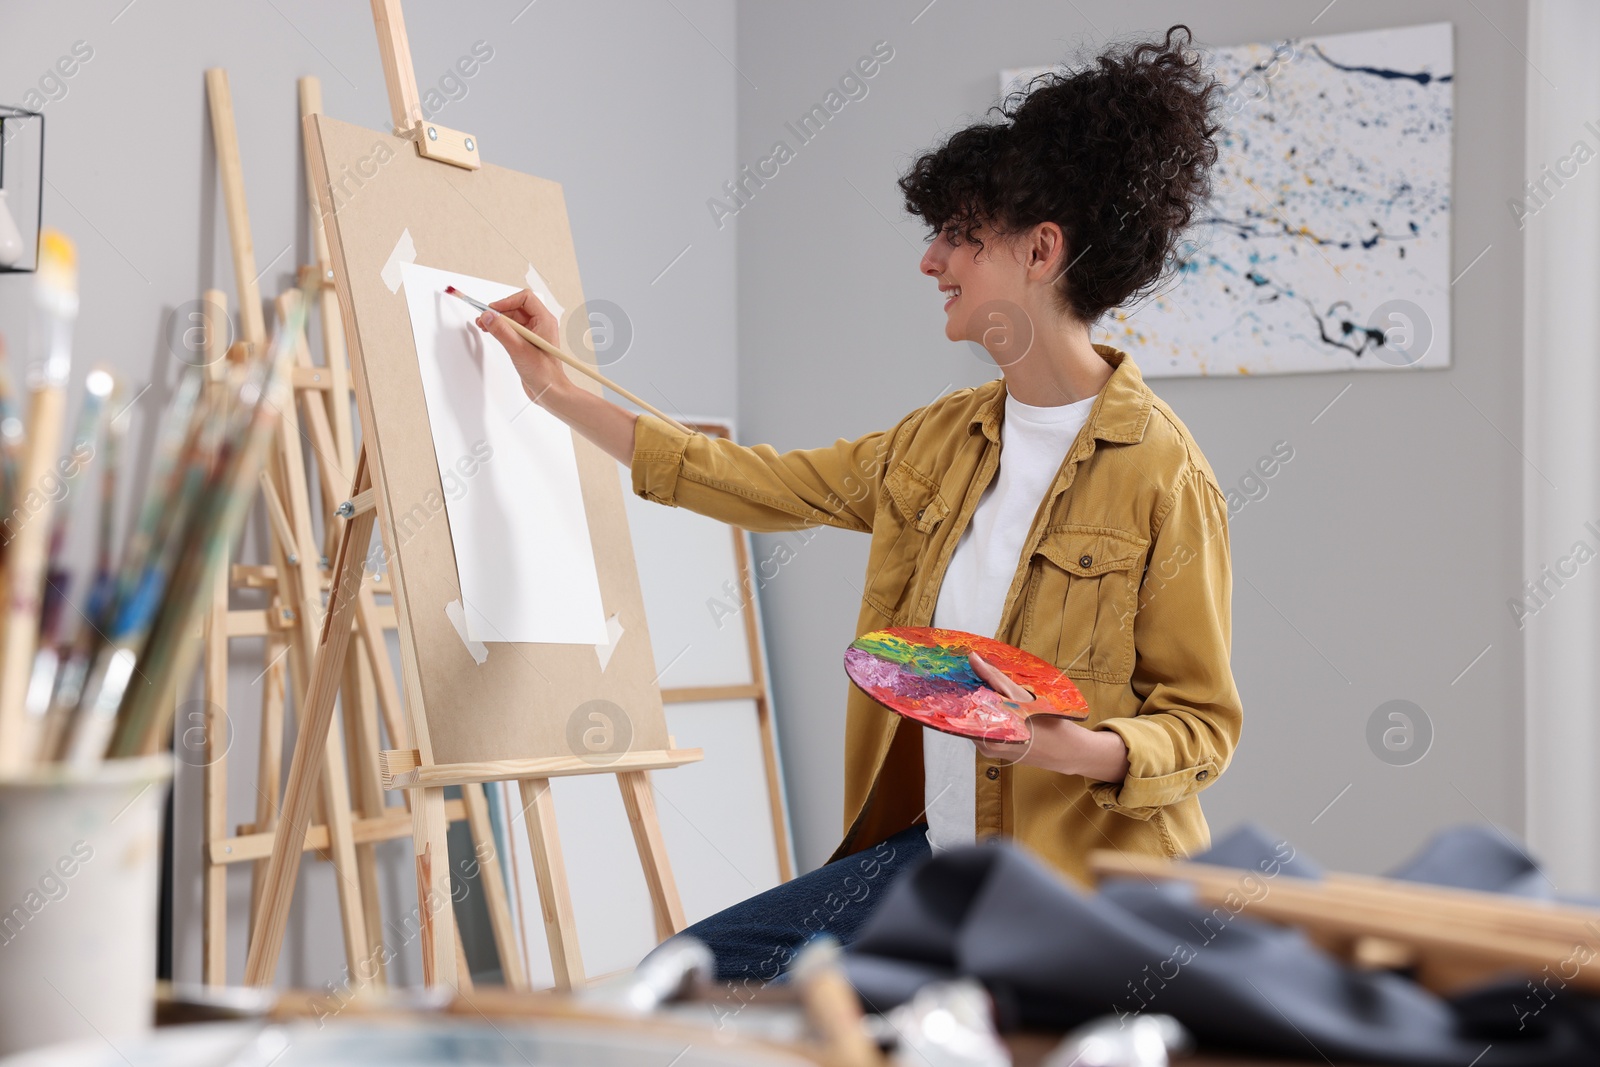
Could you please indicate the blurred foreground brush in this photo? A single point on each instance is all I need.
(99, 388)
(92, 418)
(110, 691)
(27, 525)
(10, 438)
(114, 589)
(144, 718)
(74, 656)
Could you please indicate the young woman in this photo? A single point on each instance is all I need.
(1062, 507)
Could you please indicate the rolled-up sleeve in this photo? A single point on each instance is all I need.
(756, 486)
(1185, 731)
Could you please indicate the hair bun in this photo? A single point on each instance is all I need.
(1117, 152)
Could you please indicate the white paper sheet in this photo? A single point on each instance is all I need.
(510, 476)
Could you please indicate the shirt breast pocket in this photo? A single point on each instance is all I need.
(914, 509)
(1083, 596)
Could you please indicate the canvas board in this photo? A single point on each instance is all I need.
(384, 206)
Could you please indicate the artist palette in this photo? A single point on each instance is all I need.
(922, 672)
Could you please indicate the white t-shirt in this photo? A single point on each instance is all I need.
(1035, 442)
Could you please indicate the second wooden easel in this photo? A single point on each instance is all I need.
(294, 581)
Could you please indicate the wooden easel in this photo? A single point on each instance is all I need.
(754, 690)
(294, 580)
(463, 717)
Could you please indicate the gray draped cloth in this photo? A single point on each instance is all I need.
(1054, 956)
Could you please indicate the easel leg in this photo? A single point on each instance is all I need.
(769, 743)
(376, 647)
(361, 730)
(214, 936)
(269, 760)
(463, 972)
(550, 870)
(769, 757)
(435, 904)
(316, 718)
(342, 851)
(640, 800)
(494, 887)
(301, 579)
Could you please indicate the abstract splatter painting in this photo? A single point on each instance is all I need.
(1326, 242)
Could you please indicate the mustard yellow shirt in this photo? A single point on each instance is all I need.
(1124, 582)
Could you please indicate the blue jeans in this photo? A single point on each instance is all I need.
(757, 939)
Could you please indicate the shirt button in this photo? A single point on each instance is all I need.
(1084, 561)
(993, 773)
(1108, 807)
(1202, 776)
(920, 511)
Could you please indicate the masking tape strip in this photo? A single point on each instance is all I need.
(458, 618)
(613, 635)
(405, 251)
(541, 289)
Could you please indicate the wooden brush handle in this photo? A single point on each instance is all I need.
(23, 576)
(578, 364)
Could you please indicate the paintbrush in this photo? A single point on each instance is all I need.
(143, 584)
(114, 587)
(100, 586)
(10, 437)
(570, 360)
(98, 386)
(68, 678)
(145, 715)
(56, 307)
(127, 699)
(176, 429)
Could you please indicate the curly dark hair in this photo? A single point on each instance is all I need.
(1117, 153)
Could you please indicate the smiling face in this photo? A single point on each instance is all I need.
(969, 277)
(999, 294)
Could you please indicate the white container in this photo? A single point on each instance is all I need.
(11, 247)
(80, 863)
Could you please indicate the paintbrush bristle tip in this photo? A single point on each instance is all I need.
(58, 260)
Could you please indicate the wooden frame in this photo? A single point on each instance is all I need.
(298, 586)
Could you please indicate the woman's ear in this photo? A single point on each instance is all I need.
(1047, 252)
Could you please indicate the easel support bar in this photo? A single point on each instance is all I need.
(359, 504)
(403, 769)
(316, 718)
(433, 141)
(251, 844)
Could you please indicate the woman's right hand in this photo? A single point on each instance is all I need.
(538, 369)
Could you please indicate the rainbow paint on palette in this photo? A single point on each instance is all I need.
(922, 672)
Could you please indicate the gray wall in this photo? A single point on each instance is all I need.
(628, 105)
(1378, 565)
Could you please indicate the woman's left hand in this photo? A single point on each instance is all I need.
(1057, 744)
